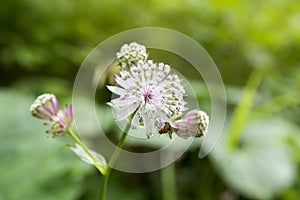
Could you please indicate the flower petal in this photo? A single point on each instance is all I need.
(116, 90)
(121, 82)
(118, 102)
(148, 124)
(126, 111)
(135, 120)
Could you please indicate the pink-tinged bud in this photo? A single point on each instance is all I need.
(182, 128)
(194, 124)
(67, 115)
(56, 127)
(45, 106)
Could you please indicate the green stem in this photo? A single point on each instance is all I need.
(74, 136)
(242, 111)
(112, 161)
(168, 181)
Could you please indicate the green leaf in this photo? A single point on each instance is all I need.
(262, 166)
(78, 150)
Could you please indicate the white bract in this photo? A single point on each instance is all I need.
(149, 91)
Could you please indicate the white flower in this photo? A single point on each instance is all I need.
(131, 54)
(151, 92)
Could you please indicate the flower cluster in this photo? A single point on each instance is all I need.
(131, 54)
(46, 107)
(151, 95)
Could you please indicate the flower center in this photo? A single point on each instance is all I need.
(147, 95)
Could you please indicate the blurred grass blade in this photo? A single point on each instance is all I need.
(241, 113)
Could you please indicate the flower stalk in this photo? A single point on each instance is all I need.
(168, 181)
(112, 161)
(101, 168)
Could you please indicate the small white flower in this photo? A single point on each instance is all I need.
(152, 91)
(131, 54)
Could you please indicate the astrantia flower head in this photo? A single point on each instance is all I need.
(194, 124)
(45, 106)
(149, 91)
(56, 127)
(131, 54)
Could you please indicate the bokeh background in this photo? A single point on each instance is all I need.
(256, 46)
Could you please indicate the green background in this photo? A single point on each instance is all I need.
(256, 46)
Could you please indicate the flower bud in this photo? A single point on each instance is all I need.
(194, 124)
(67, 115)
(45, 106)
(130, 54)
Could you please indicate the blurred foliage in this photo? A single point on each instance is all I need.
(43, 43)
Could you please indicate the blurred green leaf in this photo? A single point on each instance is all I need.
(262, 166)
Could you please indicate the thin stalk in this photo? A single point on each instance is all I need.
(112, 161)
(74, 136)
(168, 181)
